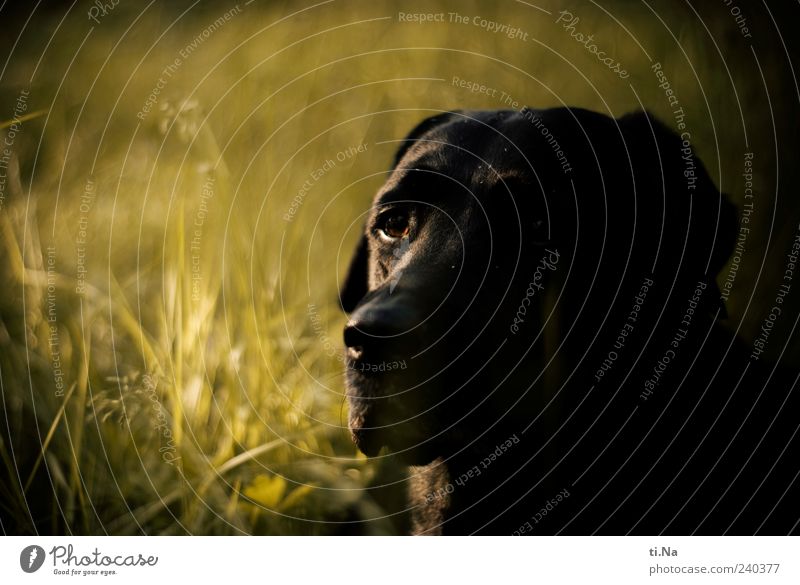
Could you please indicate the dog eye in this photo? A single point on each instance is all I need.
(395, 227)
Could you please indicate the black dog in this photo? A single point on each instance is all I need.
(534, 328)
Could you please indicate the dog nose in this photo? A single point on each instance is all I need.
(379, 329)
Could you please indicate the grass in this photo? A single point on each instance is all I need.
(197, 393)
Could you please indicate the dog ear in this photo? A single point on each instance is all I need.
(679, 190)
(355, 283)
(420, 129)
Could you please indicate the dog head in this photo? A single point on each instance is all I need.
(490, 223)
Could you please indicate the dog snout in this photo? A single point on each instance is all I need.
(381, 330)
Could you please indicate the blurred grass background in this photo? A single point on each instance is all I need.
(201, 386)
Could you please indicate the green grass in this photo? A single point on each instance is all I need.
(215, 405)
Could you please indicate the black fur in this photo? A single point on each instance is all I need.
(532, 238)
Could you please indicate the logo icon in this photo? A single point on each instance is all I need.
(31, 558)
